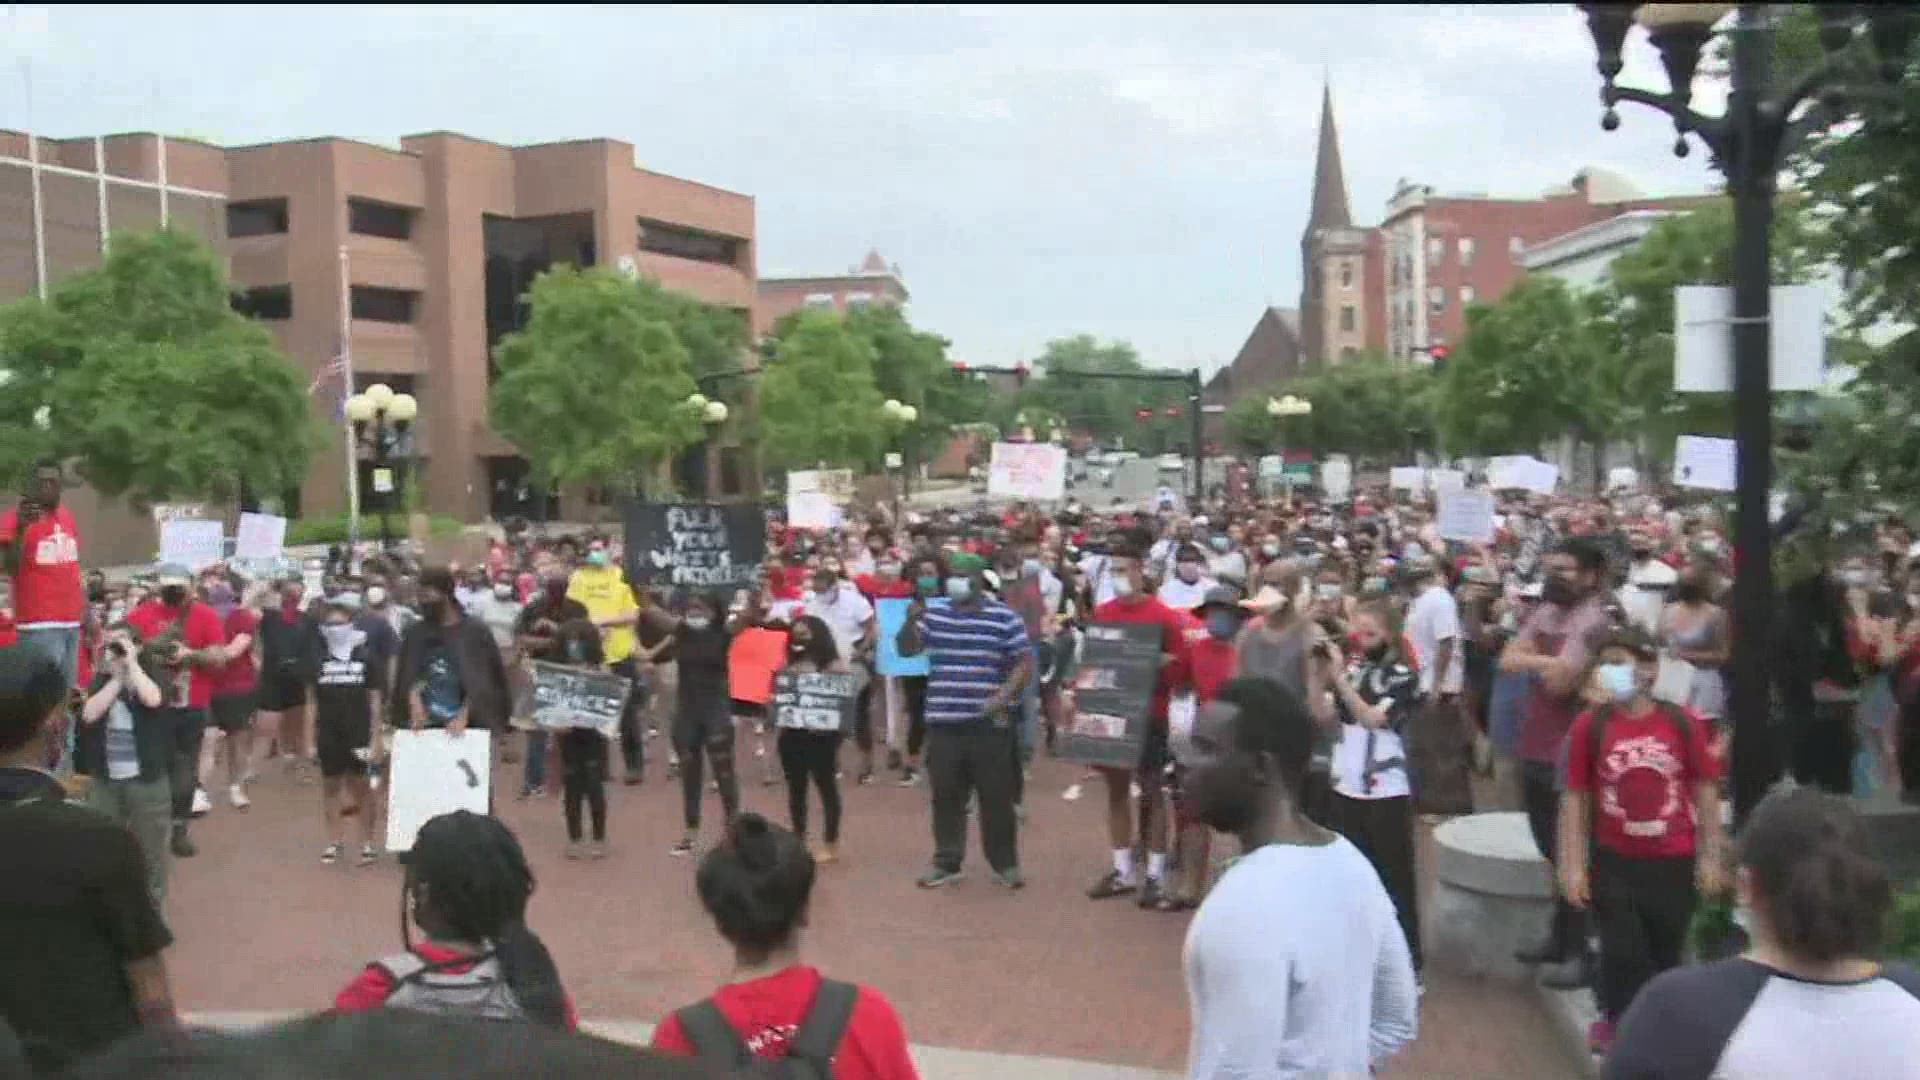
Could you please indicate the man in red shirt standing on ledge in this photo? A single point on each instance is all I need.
(40, 552)
(190, 642)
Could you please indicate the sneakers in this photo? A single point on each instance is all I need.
(682, 849)
(237, 795)
(596, 850)
(826, 853)
(368, 856)
(866, 778)
(576, 850)
(202, 802)
(332, 854)
(1149, 897)
(1010, 879)
(182, 844)
(910, 777)
(1600, 1037)
(1111, 885)
(937, 878)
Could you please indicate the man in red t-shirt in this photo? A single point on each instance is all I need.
(1133, 603)
(235, 694)
(189, 642)
(1641, 785)
(40, 552)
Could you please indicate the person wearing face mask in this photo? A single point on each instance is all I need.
(499, 610)
(448, 674)
(188, 640)
(1642, 788)
(1649, 583)
(236, 687)
(610, 601)
(811, 758)
(1189, 584)
(348, 687)
(886, 585)
(1280, 642)
(1228, 561)
(1212, 661)
(287, 644)
(850, 618)
(703, 722)
(1555, 646)
(537, 637)
(1695, 631)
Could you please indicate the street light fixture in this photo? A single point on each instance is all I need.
(1748, 144)
(1288, 406)
(381, 422)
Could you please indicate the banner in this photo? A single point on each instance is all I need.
(812, 510)
(1700, 461)
(752, 659)
(432, 773)
(816, 701)
(260, 536)
(193, 544)
(1027, 471)
(1113, 682)
(565, 697)
(890, 614)
(1466, 515)
(698, 545)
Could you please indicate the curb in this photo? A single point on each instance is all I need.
(1571, 1012)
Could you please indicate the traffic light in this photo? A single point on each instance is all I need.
(1143, 414)
(1020, 373)
(1438, 354)
(1173, 411)
(959, 367)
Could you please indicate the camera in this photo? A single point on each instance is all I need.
(118, 649)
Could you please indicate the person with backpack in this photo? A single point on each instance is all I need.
(777, 1016)
(466, 887)
(1642, 786)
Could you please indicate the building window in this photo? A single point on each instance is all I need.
(1466, 251)
(375, 304)
(1437, 299)
(680, 242)
(859, 300)
(819, 300)
(271, 302)
(1436, 250)
(1346, 318)
(1346, 275)
(1515, 245)
(368, 218)
(1466, 295)
(261, 217)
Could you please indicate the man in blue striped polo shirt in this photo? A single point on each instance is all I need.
(979, 659)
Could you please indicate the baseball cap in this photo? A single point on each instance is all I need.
(173, 574)
(1223, 596)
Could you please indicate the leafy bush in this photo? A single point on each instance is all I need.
(1713, 935)
(332, 528)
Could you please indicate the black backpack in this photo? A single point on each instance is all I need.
(809, 1052)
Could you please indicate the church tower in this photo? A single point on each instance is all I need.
(1333, 257)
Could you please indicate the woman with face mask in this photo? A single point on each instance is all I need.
(286, 657)
(347, 692)
(1694, 630)
(813, 757)
(703, 721)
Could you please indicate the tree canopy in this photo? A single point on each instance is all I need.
(1106, 409)
(819, 400)
(143, 376)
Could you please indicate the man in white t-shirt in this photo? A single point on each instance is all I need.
(1189, 584)
(1644, 596)
(847, 614)
(1433, 624)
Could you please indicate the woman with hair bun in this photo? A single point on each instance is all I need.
(1808, 999)
(758, 885)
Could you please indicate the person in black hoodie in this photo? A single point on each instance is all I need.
(449, 673)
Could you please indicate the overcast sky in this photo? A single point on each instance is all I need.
(1139, 174)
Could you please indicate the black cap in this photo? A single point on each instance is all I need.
(1221, 596)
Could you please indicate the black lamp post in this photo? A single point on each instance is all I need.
(1748, 143)
(382, 420)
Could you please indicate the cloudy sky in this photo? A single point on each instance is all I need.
(1132, 173)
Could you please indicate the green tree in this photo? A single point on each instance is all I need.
(714, 337)
(141, 374)
(594, 388)
(1526, 372)
(1369, 406)
(1107, 408)
(819, 403)
(912, 366)
(1249, 427)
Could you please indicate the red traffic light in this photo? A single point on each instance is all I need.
(1438, 352)
(1173, 410)
(1143, 414)
(960, 365)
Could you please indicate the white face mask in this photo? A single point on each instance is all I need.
(376, 595)
(1122, 587)
(503, 592)
(698, 621)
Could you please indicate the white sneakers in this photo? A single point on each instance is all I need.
(202, 802)
(237, 795)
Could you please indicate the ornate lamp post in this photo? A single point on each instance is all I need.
(712, 413)
(382, 421)
(1865, 48)
(904, 416)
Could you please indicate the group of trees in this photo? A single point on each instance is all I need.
(1368, 406)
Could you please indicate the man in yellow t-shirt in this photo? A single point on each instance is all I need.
(602, 589)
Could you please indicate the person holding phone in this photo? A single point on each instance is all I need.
(126, 747)
(40, 552)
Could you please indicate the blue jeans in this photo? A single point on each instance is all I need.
(62, 644)
(534, 771)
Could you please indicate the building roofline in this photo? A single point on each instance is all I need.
(695, 183)
(1591, 237)
(311, 140)
(800, 279)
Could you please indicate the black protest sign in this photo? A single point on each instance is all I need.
(697, 545)
(815, 701)
(565, 697)
(1112, 694)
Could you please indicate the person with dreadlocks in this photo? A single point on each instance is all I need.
(466, 887)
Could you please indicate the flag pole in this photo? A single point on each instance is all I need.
(346, 391)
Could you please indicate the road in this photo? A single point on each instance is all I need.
(261, 925)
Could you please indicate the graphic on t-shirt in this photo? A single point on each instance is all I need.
(1640, 785)
(57, 548)
(441, 691)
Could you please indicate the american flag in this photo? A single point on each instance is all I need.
(335, 369)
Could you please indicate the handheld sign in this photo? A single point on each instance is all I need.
(817, 701)
(752, 660)
(193, 544)
(433, 773)
(699, 545)
(1113, 685)
(260, 537)
(1027, 470)
(565, 697)
(891, 614)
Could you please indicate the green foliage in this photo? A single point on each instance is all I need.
(911, 366)
(1249, 427)
(1105, 408)
(714, 337)
(1526, 372)
(1368, 406)
(151, 384)
(593, 390)
(819, 402)
(332, 528)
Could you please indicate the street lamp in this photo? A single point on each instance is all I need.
(711, 412)
(904, 415)
(1288, 406)
(1748, 143)
(381, 422)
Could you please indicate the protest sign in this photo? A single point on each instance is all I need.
(1336, 479)
(836, 484)
(752, 659)
(815, 701)
(1445, 480)
(699, 545)
(891, 614)
(260, 536)
(1700, 461)
(192, 544)
(1540, 477)
(1408, 477)
(812, 510)
(165, 512)
(1119, 664)
(1466, 515)
(565, 697)
(432, 773)
(1623, 478)
(1027, 471)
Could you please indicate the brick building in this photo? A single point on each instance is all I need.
(874, 281)
(417, 256)
(1271, 355)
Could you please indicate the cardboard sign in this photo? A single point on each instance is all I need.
(698, 545)
(1466, 515)
(1336, 479)
(1113, 682)
(836, 484)
(565, 697)
(812, 510)
(193, 544)
(260, 536)
(890, 615)
(1408, 477)
(1027, 471)
(816, 701)
(433, 773)
(752, 660)
(1703, 462)
(1623, 478)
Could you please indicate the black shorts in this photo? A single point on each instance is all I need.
(232, 712)
(748, 710)
(337, 739)
(1154, 756)
(279, 693)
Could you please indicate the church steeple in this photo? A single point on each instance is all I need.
(1330, 209)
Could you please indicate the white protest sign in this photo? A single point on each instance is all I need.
(260, 536)
(1408, 477)
(836, 484)
(165, 512)
(432, 773)
(192, 544)
(1703, 338)
(812, 510)
(1623, 477)
(1336, 479)
(1539, 477)
(1701, 461)
(1466, 515)
(1444, 480)
(1027, 471)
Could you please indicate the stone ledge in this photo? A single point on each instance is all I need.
(1571, 1012)
(1492, 854)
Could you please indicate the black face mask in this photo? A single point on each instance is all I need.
(433, 610)
(1559, 592)
(1690, 592)
(1643, 553)
(173, 595)
(1377, 652)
